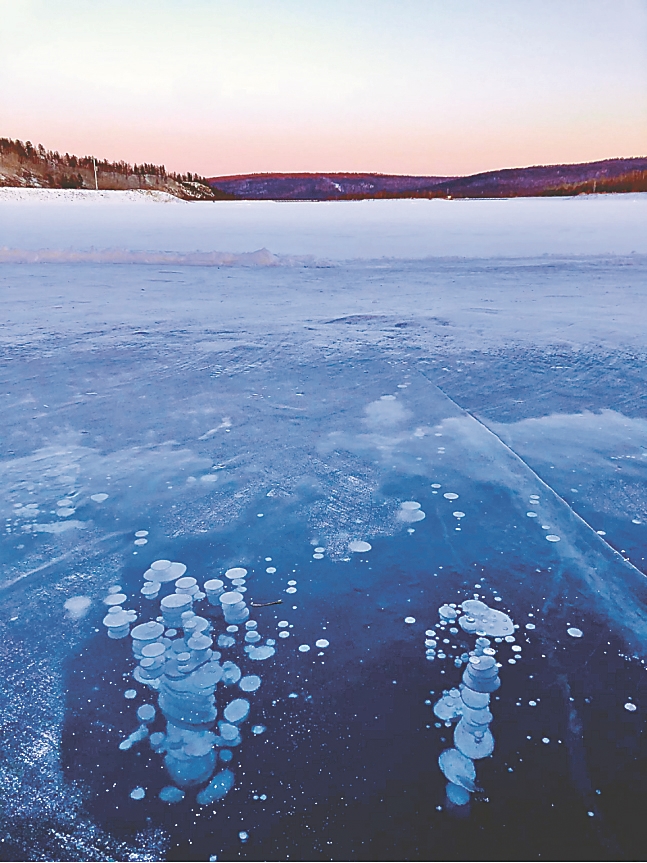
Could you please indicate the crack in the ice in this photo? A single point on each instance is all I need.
(574, 513)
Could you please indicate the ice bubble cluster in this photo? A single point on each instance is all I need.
(479, 618)
(118, 621)
(410, 511)
(468, 704)
(177, 662)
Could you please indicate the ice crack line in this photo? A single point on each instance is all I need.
(541, 481)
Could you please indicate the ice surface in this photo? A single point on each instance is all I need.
(149, 377)
(591, 224)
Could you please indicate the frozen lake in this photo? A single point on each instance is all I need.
(406, 406)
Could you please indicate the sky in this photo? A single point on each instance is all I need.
(217, 87)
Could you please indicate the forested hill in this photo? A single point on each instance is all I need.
(610, 175)
(28, 165)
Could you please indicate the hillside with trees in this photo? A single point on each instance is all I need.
(609, 175)
(28, 165)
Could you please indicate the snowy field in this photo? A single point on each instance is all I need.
(394, 408)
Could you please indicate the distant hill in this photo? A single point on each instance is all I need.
(26, 165)
(609, 175)
(29, 165)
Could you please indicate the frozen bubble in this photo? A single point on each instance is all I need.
(409, 620)
(322, 642)
(146, 713)
(65, 511)
(475, 700)
(458, 769)
(232, 597)
(141, 541)
(469, 744)
(446, 612)
(545, 740)
(138, 793)
(574, 632)
(243, 836)
(530, 626)
(320, 549)
(290, 590)
(458, 514)
(484, 620)
(282, 624)
(77, 607)
(130, 694)
(271, 570)
(359, 545)
(139, 533)
(99, 498)
(436, 485)
(64, 502)
(409, 516)
(410, 505)
(251, 624)
(185, 583)
(317, 556)
(209, 477)
(531, 514)
(171, 794)
(304, 648)
(219, 786)
(457, 795)
(430, 633)
(172, 573)
(630, 707)
(258, 729)
(552, 537)
(250, 683)
(532, 703)
(236, 572)
(229, 732)
(450, 495)
(177, 602)
(153, 650)
(636, 521)
(160, 565)
(284, 634)
(116, 619)
(226, 755)
(147, 631)
(601, 532)
(156, 739)
(115, 599)
(262, 652)
(150, 589)
(237, 710)
(231, 673)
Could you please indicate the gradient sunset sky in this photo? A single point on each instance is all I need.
(408, 86)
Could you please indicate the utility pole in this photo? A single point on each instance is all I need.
(96, 181)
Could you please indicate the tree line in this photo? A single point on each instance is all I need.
(28, 152)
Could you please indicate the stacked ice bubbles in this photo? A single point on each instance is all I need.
(175, 658)
(470, 702)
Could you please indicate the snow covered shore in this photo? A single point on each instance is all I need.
(79, 220)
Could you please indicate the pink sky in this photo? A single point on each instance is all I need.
(414, 86)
